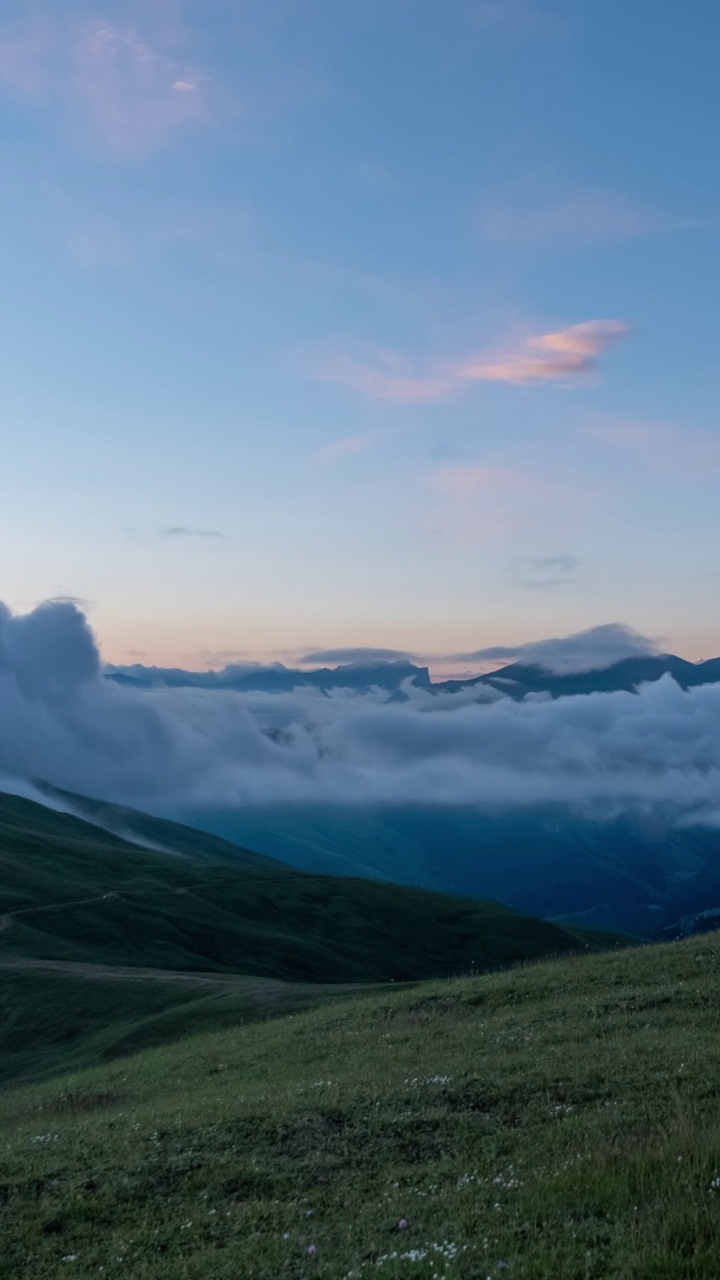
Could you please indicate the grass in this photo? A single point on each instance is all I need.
(72, 892)
(559, 1121)
(63, 1019)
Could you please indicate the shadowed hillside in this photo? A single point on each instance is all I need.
(70, 891)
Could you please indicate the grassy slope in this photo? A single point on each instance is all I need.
(556, 1122)
(546, 860)
(81, 894)
(70, 1017)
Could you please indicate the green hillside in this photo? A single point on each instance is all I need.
(61, 1016)
(555, 1122)
(72, 892)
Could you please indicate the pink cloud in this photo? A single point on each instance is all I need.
(551, 357)
(130, 91)
(127, 89)
(565, 356)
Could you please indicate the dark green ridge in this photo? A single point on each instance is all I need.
(71, 891)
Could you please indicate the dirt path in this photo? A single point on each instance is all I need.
(7, 919)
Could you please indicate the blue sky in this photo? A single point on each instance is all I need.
(384, 324)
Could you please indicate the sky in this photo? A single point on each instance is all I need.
(389, 324)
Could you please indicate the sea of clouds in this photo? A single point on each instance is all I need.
(165, 750)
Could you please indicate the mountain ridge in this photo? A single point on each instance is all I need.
(517, 680)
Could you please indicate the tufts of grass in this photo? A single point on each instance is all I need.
(77, 1101)
(555, 1122)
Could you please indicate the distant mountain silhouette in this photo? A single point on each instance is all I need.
(519, 678)
(274, 678)
(516, 680)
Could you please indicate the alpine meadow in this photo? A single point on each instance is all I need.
(359, 640)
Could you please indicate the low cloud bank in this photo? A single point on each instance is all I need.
(165, 749)
(593, 650)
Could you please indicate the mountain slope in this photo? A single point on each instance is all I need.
(556, 1122)
(70, 891)
(519, 679)
(634, 872)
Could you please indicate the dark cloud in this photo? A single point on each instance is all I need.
(48, 653)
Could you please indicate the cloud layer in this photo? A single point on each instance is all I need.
(167, 749)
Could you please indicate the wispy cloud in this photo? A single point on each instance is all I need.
(338, 450)
(173, 532)
(564, 356)
(542, 573)
(183, 531)
(379, 374)
(131, 91)
(128, 89)
(578, 220)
